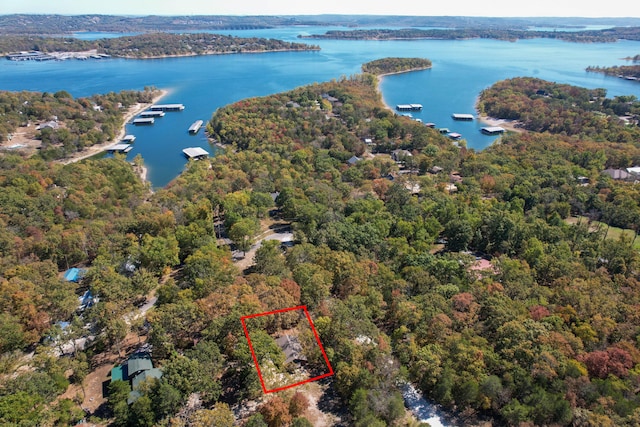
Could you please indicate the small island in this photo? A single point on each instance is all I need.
(143, 46)
(395, 65)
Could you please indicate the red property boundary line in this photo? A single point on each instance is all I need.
(255, 359)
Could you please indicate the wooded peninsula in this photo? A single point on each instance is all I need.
(504, 284)
(623, 71)
(152, 45)
(589, 36)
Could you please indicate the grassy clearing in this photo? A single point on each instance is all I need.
(613, 233)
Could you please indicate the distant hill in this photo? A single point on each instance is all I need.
(62, 24)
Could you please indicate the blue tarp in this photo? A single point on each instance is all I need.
(73, 274)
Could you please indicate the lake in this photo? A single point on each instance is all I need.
(461, 70)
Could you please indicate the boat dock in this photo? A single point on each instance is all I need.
(144, 121)
(457, 116)
(150, 113)
(492, 130)
(454, 135)
(120, 148)
(129, 139)
(409, 107)
(196, 153)
(167, 107)
(195, 127)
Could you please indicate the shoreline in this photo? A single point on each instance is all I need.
(133, 111)
(188, 55)
(381, 76)
(508, 125)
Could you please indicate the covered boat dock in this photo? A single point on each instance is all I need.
(196, 153)
(492, 130)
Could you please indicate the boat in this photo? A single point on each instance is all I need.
(195, 127)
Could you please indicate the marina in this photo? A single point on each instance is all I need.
(167, 107)
(34, 55)
(195, 127)
(144, 121)
(409, 107)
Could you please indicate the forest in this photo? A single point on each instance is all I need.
(561, 109)
(610, 35)
(74, 124)
(483, 294)
(150, 45)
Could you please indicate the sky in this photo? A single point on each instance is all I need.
(509, 8)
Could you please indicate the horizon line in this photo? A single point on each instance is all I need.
(326, 14)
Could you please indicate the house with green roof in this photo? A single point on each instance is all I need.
(136, 370)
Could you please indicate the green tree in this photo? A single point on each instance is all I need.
(242, 233)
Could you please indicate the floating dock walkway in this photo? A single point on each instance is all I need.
(195, 127)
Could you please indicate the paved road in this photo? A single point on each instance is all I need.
(247, 261)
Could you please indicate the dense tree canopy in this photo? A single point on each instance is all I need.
(501, 299)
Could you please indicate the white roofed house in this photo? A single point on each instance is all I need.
(618, 174)
(635, 171)
(400, 155)
(51, 124)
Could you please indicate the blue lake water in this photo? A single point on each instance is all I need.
(461, 70)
